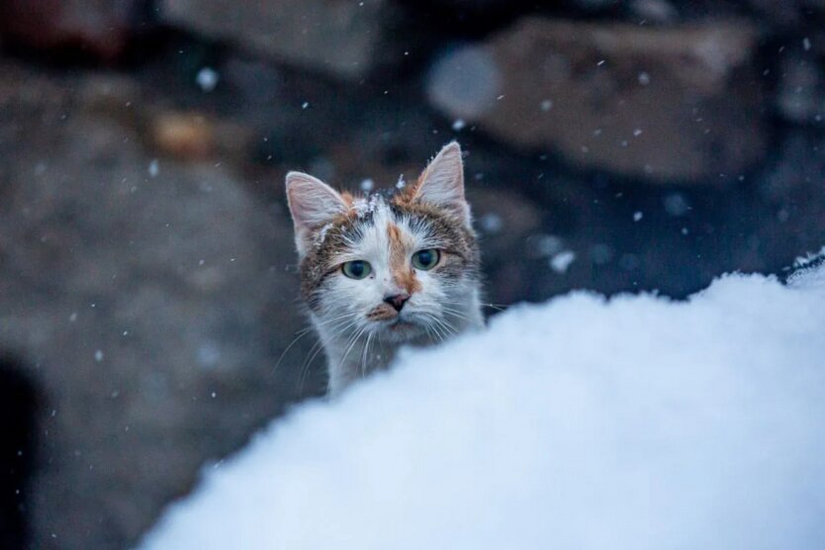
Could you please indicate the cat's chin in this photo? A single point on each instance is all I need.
(400, 330)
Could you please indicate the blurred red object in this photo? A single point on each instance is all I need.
(98, 29)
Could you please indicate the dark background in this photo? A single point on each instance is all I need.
(147, 275)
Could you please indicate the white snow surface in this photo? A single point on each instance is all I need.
(631, 423)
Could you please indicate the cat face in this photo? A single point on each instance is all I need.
(401, 267)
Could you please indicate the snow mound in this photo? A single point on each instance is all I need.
(637, 422)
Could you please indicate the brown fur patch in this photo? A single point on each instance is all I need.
(348, 199)
(402, 272)
(408, 195)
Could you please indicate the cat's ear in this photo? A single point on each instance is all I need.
(312, 204)
(442, 183)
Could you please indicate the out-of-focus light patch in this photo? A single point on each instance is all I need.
(207, 79)
(544, 245)
(491, 223)
(676, 205)
(561, 262)
(208, 355)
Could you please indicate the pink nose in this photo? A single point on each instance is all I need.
(397, 301)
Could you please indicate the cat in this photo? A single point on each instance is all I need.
(386, 270)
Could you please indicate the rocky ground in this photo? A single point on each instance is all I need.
(147, 277)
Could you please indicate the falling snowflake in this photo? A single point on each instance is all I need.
(207, 79)
(491, 223)
(561, 261)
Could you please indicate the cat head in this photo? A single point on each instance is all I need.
(403, 265)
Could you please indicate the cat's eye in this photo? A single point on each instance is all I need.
(356, 269)
(426, 259)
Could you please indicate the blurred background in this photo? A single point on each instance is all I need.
(148, 287)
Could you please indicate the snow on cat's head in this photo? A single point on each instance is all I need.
(401, 267)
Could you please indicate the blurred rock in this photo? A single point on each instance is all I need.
(148, 300)
(772, 15)
(787, 13)
(654, 11)
(342, 38)
(666, 104)
(256, 82)
(470, 11)
(592, 5)
(100, 28)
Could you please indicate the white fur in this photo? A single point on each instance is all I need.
(355, 345)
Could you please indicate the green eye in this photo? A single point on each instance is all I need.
(426, 259)
(356, 269)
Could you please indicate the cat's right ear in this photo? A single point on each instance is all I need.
(312, 204)
(442, 183)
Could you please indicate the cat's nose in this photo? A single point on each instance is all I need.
(397, 300)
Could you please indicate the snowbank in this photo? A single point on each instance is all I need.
(582, 423)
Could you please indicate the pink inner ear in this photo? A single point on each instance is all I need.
(442, 182)
(312, 203)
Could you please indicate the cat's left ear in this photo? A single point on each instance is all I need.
(442, 183)
(312, 204)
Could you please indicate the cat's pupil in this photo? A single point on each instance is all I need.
(426, 257)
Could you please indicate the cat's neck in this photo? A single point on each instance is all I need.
(349, 359)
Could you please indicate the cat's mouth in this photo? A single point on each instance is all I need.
(402, 327)
(399, 324)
